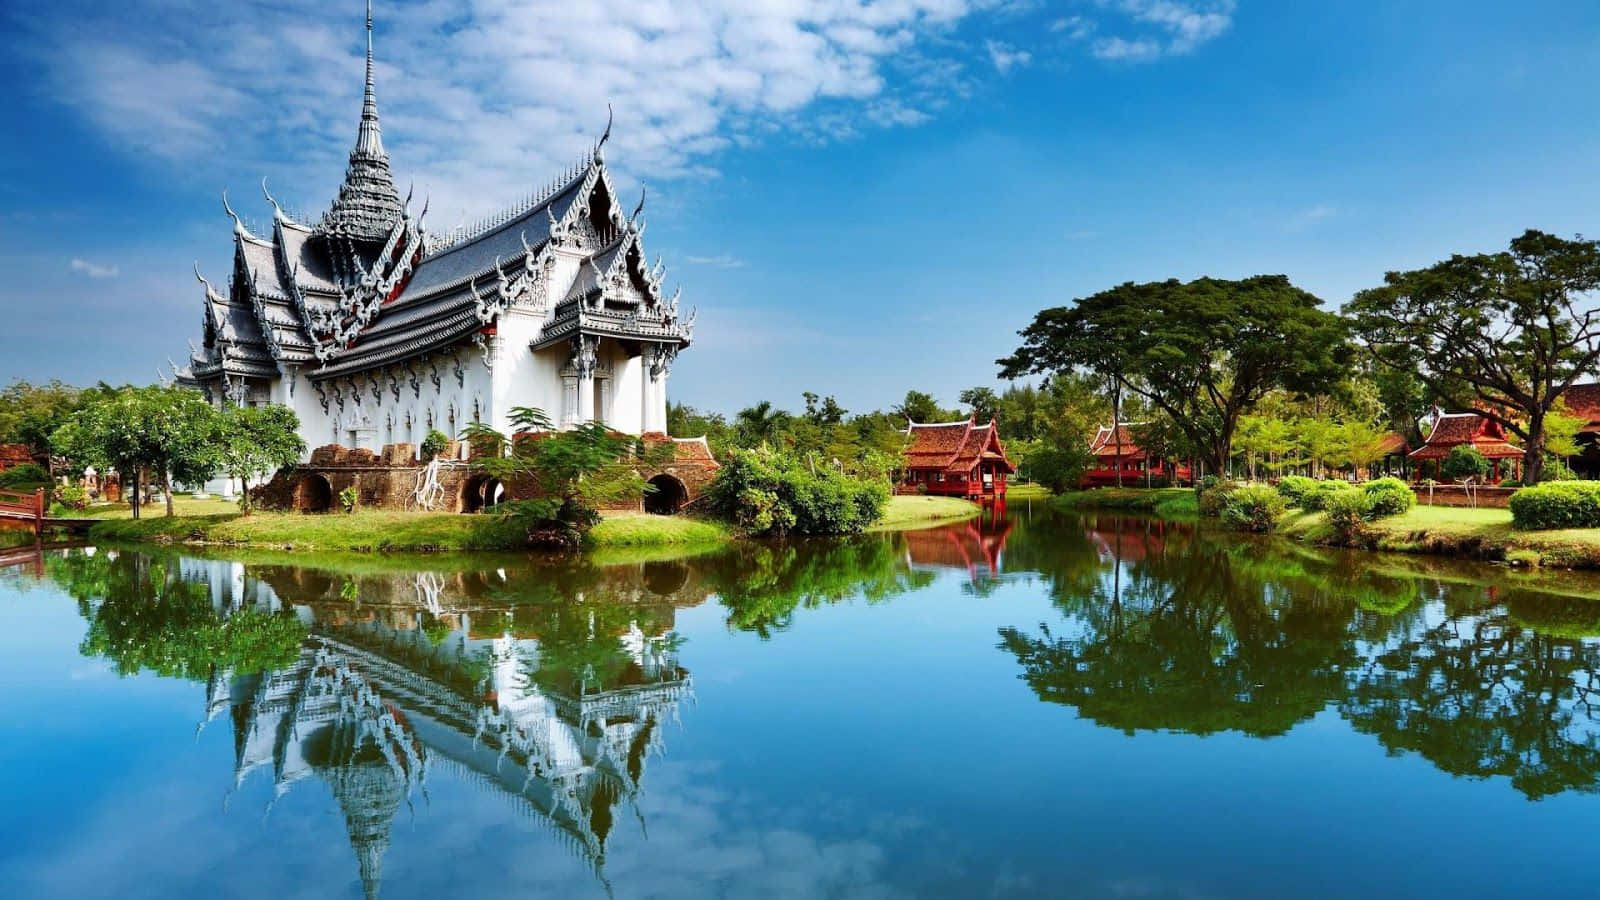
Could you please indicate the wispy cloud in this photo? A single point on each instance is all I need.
(91, 269)
(485, 98)
(1006, 57)
(723, 261)
(1308, 217)
(1163, 28)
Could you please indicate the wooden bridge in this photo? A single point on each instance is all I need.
(29, 509)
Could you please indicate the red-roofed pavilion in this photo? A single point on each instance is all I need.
(1485, 435)
(957, 459)
(1116, 452)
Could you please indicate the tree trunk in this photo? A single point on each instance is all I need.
(138, 488)
(1116, 426)
(166, 488)
(1533, 451)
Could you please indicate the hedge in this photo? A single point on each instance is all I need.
(1294, 487)
(1254, 508)
(1557, 504)
(1317, 497)
(1388, 497)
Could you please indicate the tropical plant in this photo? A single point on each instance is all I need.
(433, 443)
(348, 498)
(769, 492)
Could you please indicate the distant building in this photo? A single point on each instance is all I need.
(375, 330)
(1583, 401)
(1117, 453)
(1488, 437)
(956, 459)
(13, 455)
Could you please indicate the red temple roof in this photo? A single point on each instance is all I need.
(1455, 429)
(955, 446)
(1106, 442)
(1393, 444)
(1583, 401)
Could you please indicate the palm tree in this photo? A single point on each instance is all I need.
(759, 424)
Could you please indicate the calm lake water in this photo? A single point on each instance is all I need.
(1032, 705)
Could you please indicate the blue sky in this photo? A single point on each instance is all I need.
(859, 197)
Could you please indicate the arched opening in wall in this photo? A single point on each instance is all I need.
(481, 493)
(313, 494)
(669, 495)
(665, 578)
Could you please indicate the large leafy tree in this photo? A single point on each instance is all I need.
(255, 441)
(172, 433)
(1502, 334)
(1201, 352)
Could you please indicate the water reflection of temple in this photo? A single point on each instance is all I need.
(975, 545)
(559, 725)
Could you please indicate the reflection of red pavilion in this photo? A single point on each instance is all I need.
(975, 545)
(1129, 540)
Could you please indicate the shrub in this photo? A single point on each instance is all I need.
(71, 496)
(1293, 487)
(1317, 497)
(767, 492)
(1348, 512)
(1556, 469)
(1386, 497)
(25, 474)
(1214, 498)
(348, 498)
(433, 444)
(1557, 504)
(1254, 508)
(1464, 462)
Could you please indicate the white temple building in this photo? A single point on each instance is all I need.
(376, 331)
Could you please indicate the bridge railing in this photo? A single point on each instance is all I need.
(17, 505)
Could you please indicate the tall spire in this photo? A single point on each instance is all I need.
(368, 205)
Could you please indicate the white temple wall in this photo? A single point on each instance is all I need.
(522, 377)
(626, 408)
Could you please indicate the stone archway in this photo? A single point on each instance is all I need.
(669, 496)
(313, 494)
(480, 493)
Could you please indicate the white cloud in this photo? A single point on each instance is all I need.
(482, 99)
(93, 270)
(723, 261)
(1308, 217)
(1006, 57)
(1075, 27)
(1166, 27)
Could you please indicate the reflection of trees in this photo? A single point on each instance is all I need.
(143, 615)
(1190, 642)
(1486, 695)
(762, 584)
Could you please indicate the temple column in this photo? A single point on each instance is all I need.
(655, 410)
(585, 357)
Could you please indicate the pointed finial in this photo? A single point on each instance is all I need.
(640, 208)
(598, 153)
(238, 226)
(277, 211)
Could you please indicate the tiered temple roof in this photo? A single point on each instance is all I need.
(1451, 430)
(1108, 443)
(368, 286)
(954, 447)
(1583, 401)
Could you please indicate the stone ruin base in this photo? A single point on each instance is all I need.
(388, 479)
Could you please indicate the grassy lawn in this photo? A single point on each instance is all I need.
(908, 512)
(1028, 492)
(1458, 531)
(385, 530)
(1168, 503)
(182, 505)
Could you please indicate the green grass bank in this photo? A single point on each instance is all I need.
(1461, 532)
(218, 523)
(1166, 503)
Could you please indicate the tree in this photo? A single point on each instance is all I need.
(1360, 446)
(257, 440)
(1464, 464)
(920, 407)
(1201, 352)
(823, 411)
(983, 402)
(1502, 334)
(1561, 430)
(759, 424)
(571, 475)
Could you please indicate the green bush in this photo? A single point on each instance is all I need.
(71, 496)
(1317, 497)
(1294, 487)
(433, 444)
(28, 474)
(1464, 462)
(1348, 512)
(766, 492)
(348, 498)
(1386, 497)
(1254, 508)
(1557, 504)
(1214, 498)
(1556, 469)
